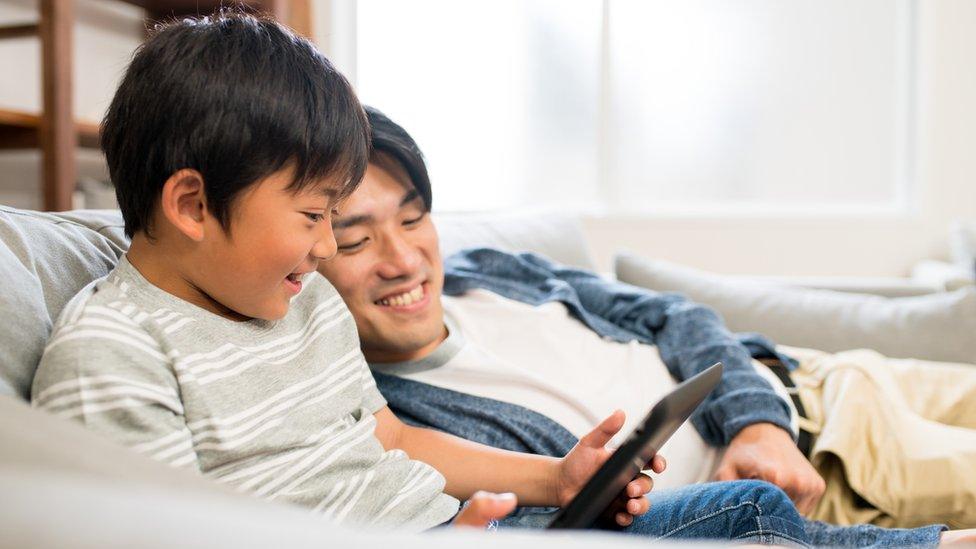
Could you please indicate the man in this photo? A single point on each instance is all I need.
(522, 353)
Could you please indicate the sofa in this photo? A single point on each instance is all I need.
(64, 486)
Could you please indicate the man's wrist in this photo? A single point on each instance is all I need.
(761, 430)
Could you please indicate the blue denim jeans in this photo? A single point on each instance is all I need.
(744, 511)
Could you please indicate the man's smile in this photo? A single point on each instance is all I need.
(408, 299)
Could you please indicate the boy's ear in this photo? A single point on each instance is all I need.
(184, 203)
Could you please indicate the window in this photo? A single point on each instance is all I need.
(636, 106)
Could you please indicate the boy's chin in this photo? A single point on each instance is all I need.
(271, 311)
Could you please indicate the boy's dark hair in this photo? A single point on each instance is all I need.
(391, 139)
(237, 98)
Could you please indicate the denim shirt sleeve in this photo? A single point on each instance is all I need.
(690, 337)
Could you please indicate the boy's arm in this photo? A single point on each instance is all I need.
(118, 383)
(470, 467)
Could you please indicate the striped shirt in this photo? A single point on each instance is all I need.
(281, 409)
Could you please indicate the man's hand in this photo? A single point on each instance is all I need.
(586, 458)
(484, 507)
(766, 452)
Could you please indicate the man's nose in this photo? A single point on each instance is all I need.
(399, 258)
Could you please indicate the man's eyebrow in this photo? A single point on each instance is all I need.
(346, 222)
(409, 197)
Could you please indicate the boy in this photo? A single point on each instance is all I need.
(231, 142)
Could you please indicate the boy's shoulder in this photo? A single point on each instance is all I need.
(99, 336)
(104, 297)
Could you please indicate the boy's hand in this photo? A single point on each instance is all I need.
(484, 507)
(583, 461)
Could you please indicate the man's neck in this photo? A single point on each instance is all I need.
(384, 356)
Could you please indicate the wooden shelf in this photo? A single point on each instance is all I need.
(21, 130)
(55, 132)
(19, 31)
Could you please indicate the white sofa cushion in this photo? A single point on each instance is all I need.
(940, 327)
(557, 236)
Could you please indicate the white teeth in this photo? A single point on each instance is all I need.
(403, 299)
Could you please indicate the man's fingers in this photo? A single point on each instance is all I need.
(483, 507)
(602, 433)
(811, 496)
(726, 473)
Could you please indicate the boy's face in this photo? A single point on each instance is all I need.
(388, 268)
(276, 237)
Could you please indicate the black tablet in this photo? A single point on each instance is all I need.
(636, 452)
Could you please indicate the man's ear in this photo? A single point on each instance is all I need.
(184, 203)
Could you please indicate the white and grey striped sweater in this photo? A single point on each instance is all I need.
(281, 409)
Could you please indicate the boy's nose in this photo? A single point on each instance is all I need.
(325, 248)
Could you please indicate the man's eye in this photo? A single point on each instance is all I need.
(314, 217)
(415, 220)
(352, 247)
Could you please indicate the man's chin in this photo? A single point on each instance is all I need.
(402, 345)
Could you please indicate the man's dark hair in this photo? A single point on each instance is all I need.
(391, 139)
(237, 98)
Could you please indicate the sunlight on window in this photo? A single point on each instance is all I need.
(644, 105)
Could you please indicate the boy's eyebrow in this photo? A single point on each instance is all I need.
(346, 222)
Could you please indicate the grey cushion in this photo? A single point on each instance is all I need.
(45, 259)
(933, 327)
(65, 486)
(557, 236)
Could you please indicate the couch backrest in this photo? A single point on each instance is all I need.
(46, 258)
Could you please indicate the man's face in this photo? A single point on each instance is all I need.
(388, 267)
(276, 237)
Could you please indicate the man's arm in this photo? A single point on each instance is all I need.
(690, 337)
(743, 413)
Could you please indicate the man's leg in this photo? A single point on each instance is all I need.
(865, 535)
(745, 510)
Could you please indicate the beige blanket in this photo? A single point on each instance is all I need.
(896, 439)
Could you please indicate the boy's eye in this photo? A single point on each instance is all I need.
(352, 247)
(314, 217)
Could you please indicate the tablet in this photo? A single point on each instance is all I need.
(636, 452)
